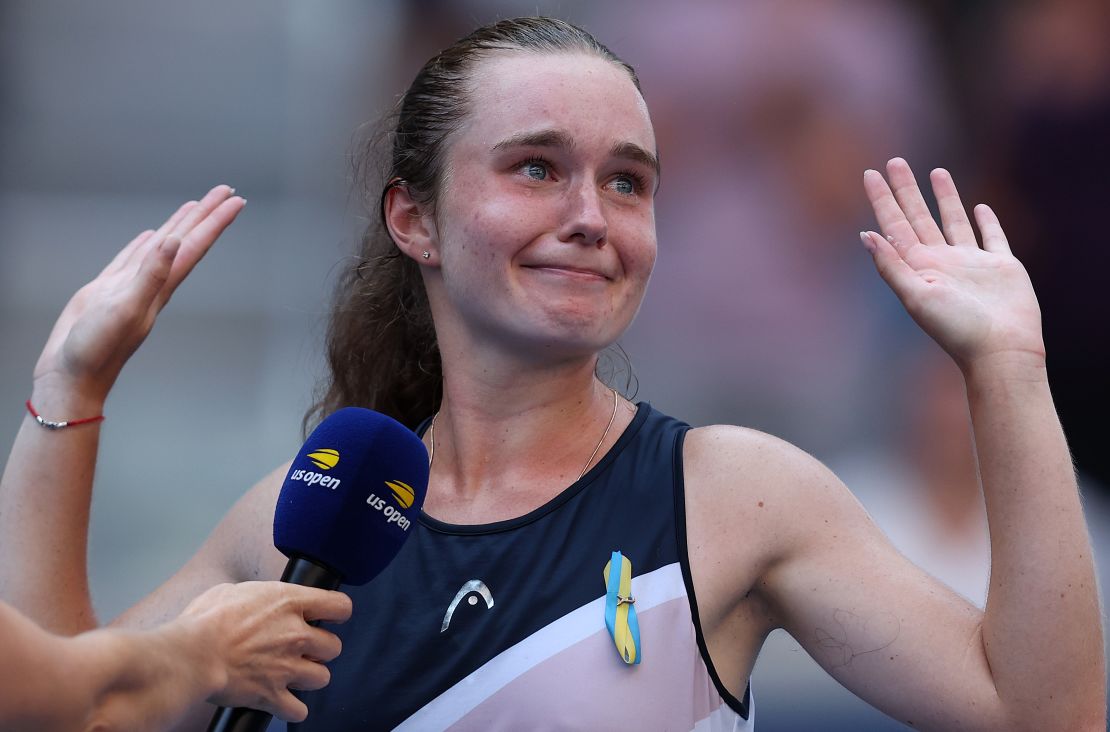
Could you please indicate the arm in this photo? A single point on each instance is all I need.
(239, 645)
(882, 627)
(1041, 633)
(46, 487)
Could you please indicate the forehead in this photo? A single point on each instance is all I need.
(590, 97)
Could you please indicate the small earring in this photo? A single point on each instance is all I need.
(426, 254)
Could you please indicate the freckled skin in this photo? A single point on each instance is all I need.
(496, 224)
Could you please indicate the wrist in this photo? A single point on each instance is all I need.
(192, 640)
(57, 398)
(1006, 367)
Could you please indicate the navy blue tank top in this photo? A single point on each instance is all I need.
(501, 626)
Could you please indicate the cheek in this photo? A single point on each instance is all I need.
(477, 248)
(650, 253)
(640, 256)
(490, 223)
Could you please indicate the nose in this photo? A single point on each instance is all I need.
(584, 219)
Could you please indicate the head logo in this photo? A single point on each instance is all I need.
(402, 492)
(325, 458)
(468, 588)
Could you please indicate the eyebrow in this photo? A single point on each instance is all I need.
(562, 139)
(632, 151)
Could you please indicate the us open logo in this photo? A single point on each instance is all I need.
(403, 494)
(324, 458)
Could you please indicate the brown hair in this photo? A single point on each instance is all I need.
(381, 344)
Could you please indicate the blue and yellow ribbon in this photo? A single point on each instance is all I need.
(620, 608)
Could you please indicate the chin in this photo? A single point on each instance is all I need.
(575, 338)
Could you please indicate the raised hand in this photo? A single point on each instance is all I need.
(109, 318)
(975, 301)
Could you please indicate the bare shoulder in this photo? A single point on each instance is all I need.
(745, 467)
(240, 548)
(776, 495)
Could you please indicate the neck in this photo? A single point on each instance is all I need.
(509, 436)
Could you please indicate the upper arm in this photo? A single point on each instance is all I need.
(240, 548)
(823, 571)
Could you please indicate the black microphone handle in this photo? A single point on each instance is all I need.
(299, 571)
(308, 573)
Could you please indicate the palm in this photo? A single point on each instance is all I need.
(973, 301)
(100, 327)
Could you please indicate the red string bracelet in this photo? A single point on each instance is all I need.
(60, 425)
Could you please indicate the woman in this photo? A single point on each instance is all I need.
(519, 212)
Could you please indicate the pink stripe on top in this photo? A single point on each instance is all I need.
(587, 686)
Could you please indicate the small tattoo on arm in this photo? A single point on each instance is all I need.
(852, 635)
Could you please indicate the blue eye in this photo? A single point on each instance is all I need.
(628, 184)
(624, 185)
(535, 168)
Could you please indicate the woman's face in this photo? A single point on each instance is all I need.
(545, 224)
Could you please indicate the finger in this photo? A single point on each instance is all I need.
(890, 265)
(892, 220)
(320, 645)
(994, 239)
(154, 272)
(288, 708)
(953, 215)
(123, 255)
(310, 676)
(175, 218)
(326, 605)
(201, 210)
(197, 243)
(135, 251)
(913, 204)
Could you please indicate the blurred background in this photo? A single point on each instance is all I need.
(764, 309)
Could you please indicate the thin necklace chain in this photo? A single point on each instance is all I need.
(589, 460)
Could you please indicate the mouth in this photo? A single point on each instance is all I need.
(576, 273)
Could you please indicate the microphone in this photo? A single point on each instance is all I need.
(346, 507)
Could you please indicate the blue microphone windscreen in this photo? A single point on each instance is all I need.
(353, 494)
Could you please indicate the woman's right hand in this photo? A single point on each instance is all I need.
(108, 319)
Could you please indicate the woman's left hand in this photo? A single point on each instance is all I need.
(976, 302)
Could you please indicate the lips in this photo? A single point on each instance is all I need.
(569, 270)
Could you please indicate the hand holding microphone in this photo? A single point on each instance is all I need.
(261, 643)
(350, 500)
(235, 644)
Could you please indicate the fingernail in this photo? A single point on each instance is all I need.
(231, 192)
(866, 239)
(890, 238)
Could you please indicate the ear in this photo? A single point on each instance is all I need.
(412, 229)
